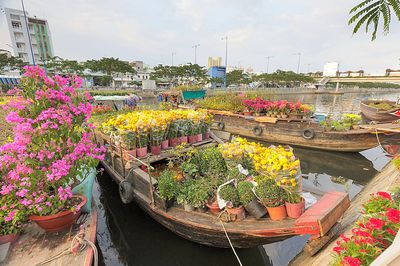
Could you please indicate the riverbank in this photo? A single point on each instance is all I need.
(388, 179)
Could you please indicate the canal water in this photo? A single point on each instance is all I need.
(128, 236)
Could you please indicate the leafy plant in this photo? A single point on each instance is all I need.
(293, 197)
(270, 194)
(246, 194)
(230, 193)
(167, 187)
(194, 192)
(378, 202)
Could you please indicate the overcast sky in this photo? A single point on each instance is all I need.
(151, 30)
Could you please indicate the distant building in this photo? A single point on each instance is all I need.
(39, 32)
(137, 65)
(214, 62)
(218, 74)
(330, 69)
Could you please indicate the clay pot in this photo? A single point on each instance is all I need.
(239, 213)
(207, 135)
(247, 113)
(213, 207)
(60, 221)
(165, 144)
(199, 137)
(155, 150)
(141, 152)
(10, 238)
(295, 210)
(173, 142)
(277, 213)
(183, 139)
(192, 139)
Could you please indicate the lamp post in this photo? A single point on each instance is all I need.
(308, 68)
(226, 57)
(268, 58)
(173, 53)
(298, 63)
(195, 52)
(27, 31)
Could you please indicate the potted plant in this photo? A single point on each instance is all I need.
(272, 197)
(156, 136)
(128, 144)
(12, 220)
(173, 134)
(184, 128)
(249, 201)
(212, 204)
(295, 204)
(192, 132)
(142, 142)
(167, 187)
(183, 197)
(230, 193)
(165, 140)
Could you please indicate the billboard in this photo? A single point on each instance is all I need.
(330, 69)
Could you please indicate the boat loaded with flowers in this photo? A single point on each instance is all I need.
(290, 123)
(50, 155)
(202, 188)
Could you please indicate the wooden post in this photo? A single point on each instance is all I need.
(149, 168)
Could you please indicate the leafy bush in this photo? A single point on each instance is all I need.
(245, 190)
(270, 194)
(167, 186)
(224, 102)
(194, 192)
(230, 193)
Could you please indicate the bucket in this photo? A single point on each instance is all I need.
(85, 188)
(256, 209)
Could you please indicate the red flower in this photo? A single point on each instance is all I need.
(390, 231)
(375, 223)
(350, 261)
(345, 239)
(338, 249)
(384, 195)
(393, 215)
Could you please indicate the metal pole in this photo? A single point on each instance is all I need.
(226, 58)
(268, 58)
(27, 30)
(298, 63)
(173, 53)
(195, 52)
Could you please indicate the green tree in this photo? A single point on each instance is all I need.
(237, 77)
(371, 12)
(110, 66)
(176, 74)
(9, 63)
(58, 65)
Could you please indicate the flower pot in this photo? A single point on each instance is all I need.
(188, 207)
(208, 135)
(10, 238)
(237, 213)
(277, 213)
(183, 139)
(295, 210)
(173, 142)
(165, 144)
(60, 221)
(128, 154)
(256, 209)
(192, 139)
(155, 150)
(141, 152)
(247, 113)
(199, 137)
(85, 188)
(213, 207)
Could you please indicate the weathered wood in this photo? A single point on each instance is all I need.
(374, 114)
(313, 246)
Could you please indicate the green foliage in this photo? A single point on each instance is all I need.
(230, 193)
(57, 65)
(370, 12)
(281, 77)
(10, 63)
(223, 102)
(245, 190)
(109, 66)
(384, 106)
(167, 186)
(269, 193)
(194, 192)
(237, 77)
(346, 122)
(187, 72)
(396, 162)
(189, 168)
(293, 197)
(376, 204)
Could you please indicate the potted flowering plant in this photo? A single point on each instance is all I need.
(128, 143)
(142, 142)
(272, 197)
(12, 219)
(156, 137)
(249, 200)
(173, 134)
(230, 193)
(52, 146)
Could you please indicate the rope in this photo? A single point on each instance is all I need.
(78, 244)
(229, 240)
(380, 145)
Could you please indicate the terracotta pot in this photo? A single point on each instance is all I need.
(208, 135)
(60, 221)
(11, 238)
(128, 154)
(295, 210)
(165, 144)
(192, 139)
(277, 213)
(173, 142)
(213, 207)
(199, 137)
(155, 150)
(141, 152)
(238, 213)
(247, 113)
(183, 139)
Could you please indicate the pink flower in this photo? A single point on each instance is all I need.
(384, 195)
(10, 216)
(350, 261)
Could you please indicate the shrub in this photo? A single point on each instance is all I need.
(195, 192)
(246, 195)
(270, 194)
(230, 193)
(167, 186)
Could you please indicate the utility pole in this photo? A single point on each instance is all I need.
(27, 31)
(195, 52)
(226, 58)
(308, 68)
(173, 53)
(268, 58)
(298, 63)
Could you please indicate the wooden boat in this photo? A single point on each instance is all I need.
(36, 246)
(206, 228)
(378, 115)
(297, 132)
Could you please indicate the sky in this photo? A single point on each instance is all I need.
(151, 30)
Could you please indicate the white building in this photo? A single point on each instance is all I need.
(214, 61)
(18, 39)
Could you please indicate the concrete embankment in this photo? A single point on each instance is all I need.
(388, 179)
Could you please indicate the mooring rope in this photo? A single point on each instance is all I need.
(229, 240)
(380, 145)
(78, 244)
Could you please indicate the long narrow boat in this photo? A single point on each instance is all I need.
(297, 132)
(378, 115)
(206, 228)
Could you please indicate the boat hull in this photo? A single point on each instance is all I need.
(374, 114)
(291, 133)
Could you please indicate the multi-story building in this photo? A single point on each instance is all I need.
(39, 36)
(214, 62)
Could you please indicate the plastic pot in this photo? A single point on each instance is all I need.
(199, 137)
(277, 213)
(183, 139)
(141, 152)
(192, 139)
(207, 135)
(213, 207)
(174, 142)
(155, 150)
(256, 209)
(237, 214)
(295, 210)
(165, 144)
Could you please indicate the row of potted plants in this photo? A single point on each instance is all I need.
(51, 148)
(343, 123)
(280, 109)
(200, 177)
(138, 131)
(373, 233)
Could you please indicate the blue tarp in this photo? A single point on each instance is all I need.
(9, 81)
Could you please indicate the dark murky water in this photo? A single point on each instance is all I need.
(128, 236)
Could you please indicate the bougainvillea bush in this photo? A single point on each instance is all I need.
(52, 143)
(373, 234)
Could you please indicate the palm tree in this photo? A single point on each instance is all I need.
(370, 11)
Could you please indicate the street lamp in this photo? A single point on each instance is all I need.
(173, 53)
(298, 63)
(27, 31)
(308, 68)
(195, 52)
(268, 58)
(226, 57)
